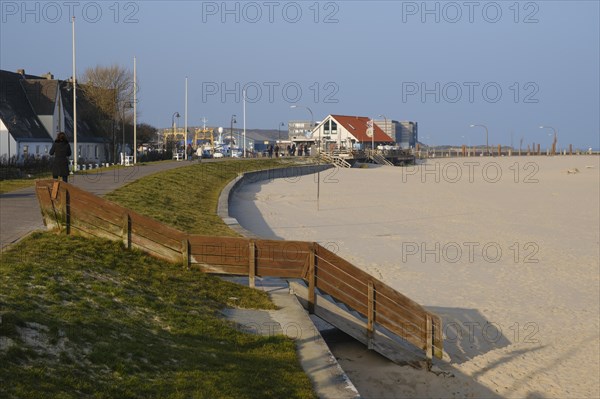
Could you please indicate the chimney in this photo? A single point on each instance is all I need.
(48, 76)
(21, 72)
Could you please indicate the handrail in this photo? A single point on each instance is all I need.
(74, 211)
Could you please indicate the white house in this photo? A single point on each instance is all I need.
(349, 132)
(34, 109)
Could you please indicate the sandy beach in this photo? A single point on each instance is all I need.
(505, 250)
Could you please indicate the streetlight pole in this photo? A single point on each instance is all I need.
(487, 145)
(231, 133)
(174, 126)
(554, 141)
(244, 117)
(279, 131)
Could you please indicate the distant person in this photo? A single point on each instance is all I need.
(190, 152)
(270, 150)
(300, 150)
(199, 153)
(276, 150)
(61, 151)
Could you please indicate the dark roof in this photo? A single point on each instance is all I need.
(16, 111)
(357, 126)
(89, 118)
(42, 95)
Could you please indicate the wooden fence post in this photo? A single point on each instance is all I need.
(252, 264)
(370, 315)
(126, 230)
(66, 210)
(185, 253)
(429, 338)
(311, 280)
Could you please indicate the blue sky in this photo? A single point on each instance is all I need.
(510, 65)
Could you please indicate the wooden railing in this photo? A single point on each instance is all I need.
(74, 211)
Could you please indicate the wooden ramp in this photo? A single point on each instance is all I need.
(336, 290)
(355, 325)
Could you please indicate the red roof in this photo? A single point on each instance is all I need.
(357, 126)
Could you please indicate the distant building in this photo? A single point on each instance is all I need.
(299, 130)
(404, 133)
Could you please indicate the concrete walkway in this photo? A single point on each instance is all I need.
(290, 319)
(20, 212)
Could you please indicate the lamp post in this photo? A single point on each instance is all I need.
(312, 118)
(174, 126)
(279, 131)
(554, 141)
(233, 120)
(487, 146)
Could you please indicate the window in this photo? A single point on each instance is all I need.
(96, 151)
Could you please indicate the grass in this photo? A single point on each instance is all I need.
(9, 185)
(186, 198)
(85, 318)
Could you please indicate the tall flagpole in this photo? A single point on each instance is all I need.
(134, 112)
(244, 95)
(186, 118)
(75, 156)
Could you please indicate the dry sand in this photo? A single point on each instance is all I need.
(505, 250)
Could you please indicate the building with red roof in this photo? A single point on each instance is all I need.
(350, 132)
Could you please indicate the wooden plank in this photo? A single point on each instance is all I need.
(222, 269)
(185, 253)
(340, 280)
(66, 209)
(145, 223)
(312, 265)
(429, 339)
(370, 315)
(126, 231)
(107, 230)
(398, 315)
(55, 187)
(155, 249)
(158, 236)
(402, 300)
(414, 336)
(251, 264)
(342, 296)
(288, 272)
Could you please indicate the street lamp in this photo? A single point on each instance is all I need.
(233, 120)
(487, 145)
(553, 142)
(174, 126)
(312, 118)
(279, 131)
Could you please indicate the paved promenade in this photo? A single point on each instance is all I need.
(20, 212)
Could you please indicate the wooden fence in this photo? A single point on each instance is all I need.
(71, 210)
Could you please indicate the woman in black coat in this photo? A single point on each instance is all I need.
(61, 151)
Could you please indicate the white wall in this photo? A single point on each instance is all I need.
(5, 137)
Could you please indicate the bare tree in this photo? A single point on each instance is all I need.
(111, 90)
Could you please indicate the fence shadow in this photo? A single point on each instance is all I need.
(467, 333)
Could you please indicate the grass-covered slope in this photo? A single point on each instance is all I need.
(87, 318)
(186, 198)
